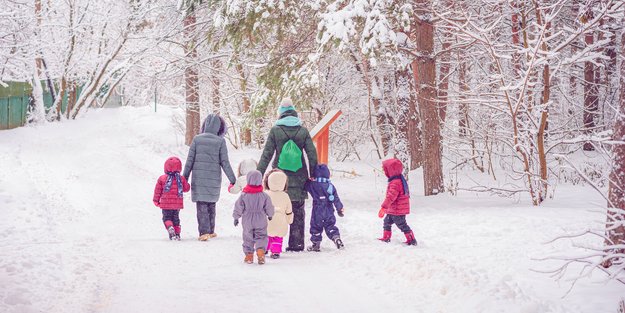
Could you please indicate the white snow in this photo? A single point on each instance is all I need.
(80, 234)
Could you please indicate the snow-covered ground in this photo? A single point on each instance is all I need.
(80, 234)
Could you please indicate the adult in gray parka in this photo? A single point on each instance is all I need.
(255, 207)
(208, 156)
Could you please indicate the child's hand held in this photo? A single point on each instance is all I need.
(230, 187)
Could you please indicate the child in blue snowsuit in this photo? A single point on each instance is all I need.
(325, 200)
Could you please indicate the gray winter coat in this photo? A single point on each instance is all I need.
(208, 155)
(253, 208)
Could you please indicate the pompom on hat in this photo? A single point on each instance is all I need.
(286, 105)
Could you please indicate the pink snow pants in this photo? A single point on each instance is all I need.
(275, 245)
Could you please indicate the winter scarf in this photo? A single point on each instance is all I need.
(253, 189)
(403, 181)
(330, 191)
(170, 179)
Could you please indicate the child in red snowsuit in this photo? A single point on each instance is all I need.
(396, 205)
(168, 196)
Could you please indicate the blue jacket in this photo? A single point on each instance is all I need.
(325, 196)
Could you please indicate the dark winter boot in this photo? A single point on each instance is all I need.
(316, 246)
(338, 242)
(260, 253)
(172, 232)
(275, 256)
(386, 236)
(410, 240)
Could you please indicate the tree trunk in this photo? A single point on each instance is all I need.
(463, 119)
(415, 135)
(381, 116)
(443, 80)
(246, 131)
(191, 78)
(544, 115)
(615, 228)
(516, 40)
(591, 97)
(425, 78)
(403, 77)
(215, 92)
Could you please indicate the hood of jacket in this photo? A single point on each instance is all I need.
(392, 167)
(214, 124)
(173, 164)
(254, 178)
(322, 171)
(289, 113)
(276, 181)
(247, 166)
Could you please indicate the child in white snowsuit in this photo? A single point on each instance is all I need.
(325, 200)
(254, 207)
(245, 167)
(275, 184)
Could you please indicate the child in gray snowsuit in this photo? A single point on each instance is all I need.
(254, 206)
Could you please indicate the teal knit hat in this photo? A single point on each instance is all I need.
(285, 105)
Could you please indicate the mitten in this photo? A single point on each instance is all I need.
(381, 213)
(236, 222)
(156, 203)
(340, 212)
(269, 217)
(230, 187)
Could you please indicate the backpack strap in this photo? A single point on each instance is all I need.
(289, 137)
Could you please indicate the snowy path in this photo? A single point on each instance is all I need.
(81, 235)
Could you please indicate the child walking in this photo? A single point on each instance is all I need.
(396, 205)
(168, 196)
(325, 200)
(254, 207)
(275, 184)
(245, 167)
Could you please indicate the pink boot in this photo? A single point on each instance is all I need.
(386, 236)
(177, 230)
(410, 240)
(169, 225)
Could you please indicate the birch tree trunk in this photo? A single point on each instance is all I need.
(425, 78)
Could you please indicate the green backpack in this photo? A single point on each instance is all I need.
(291, 155)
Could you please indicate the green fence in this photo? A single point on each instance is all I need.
(15, 98)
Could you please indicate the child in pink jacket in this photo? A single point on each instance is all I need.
(168, 196)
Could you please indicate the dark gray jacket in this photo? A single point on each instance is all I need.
(208, 155)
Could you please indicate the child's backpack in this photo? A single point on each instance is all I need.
(291, 155)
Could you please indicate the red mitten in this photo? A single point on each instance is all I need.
(230, 187)
(156, 203)
(381, 213)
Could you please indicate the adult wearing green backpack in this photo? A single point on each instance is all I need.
(287, 140)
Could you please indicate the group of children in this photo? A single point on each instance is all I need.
(265, 210)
